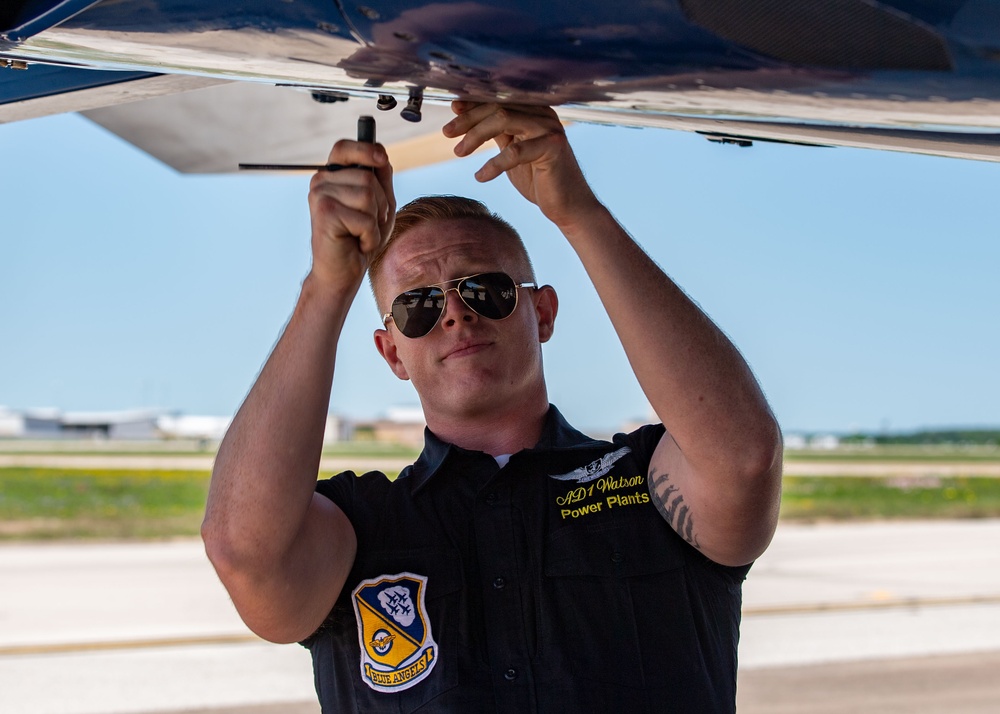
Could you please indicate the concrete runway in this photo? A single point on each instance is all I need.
(837, 618)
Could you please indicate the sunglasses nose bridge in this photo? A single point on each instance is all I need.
(460, 304)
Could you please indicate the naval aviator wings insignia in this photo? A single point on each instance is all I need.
(595, 469)
(397, 648)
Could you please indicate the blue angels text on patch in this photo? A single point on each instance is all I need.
(397, 648)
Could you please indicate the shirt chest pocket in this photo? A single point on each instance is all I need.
(616, 607)
(409, 662)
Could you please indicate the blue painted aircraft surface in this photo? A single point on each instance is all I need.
(198, 83)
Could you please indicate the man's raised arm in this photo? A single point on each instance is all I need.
(282, 551)
(716, 474)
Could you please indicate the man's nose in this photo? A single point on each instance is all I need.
(455, 310)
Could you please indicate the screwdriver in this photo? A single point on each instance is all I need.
(366, 134)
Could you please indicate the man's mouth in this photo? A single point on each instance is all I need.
(466, 348)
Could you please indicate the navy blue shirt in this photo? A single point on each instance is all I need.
(549, 585)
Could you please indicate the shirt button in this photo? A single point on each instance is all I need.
(499, 583)
(491, 497)
(617, 557)
(510, 675)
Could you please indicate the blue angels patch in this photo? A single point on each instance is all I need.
(397, 648)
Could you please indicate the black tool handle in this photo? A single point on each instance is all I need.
(366, 129)
(299, 167)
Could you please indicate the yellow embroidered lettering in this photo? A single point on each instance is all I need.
(629, 499)
(581, 511)
(609, 483)
(574, 496)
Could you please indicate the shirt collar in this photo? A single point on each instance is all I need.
(557, 434)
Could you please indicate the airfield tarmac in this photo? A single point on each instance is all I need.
(873, 617)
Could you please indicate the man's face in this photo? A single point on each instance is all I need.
(467, 365)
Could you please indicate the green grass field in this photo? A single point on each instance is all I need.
(903, 454)
(805, 498)
(44, 503)
(187, 447)
(59, 503)
(39, 504)
(910, 453)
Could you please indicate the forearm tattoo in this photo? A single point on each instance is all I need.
(670, 503)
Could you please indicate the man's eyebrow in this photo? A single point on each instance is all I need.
(411, 281)
(417, 280)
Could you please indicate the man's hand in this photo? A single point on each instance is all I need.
(716, 474)
(534, 153)
(352, 212)
(282, 550)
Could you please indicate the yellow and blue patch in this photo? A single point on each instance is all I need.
(397, 647)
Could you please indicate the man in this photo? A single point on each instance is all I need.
(518, 565)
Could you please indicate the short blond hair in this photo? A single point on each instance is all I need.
(444, 208)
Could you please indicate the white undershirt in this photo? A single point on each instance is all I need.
(502, 459)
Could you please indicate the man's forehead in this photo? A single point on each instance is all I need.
(452, 244)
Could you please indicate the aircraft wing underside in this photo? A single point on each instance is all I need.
(205, 85)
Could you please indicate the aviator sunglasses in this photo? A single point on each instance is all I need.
(491, 295)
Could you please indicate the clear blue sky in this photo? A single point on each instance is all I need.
(861, 286)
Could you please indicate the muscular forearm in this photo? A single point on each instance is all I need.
(722, 455)
(265, 471)
(283, 551)
(695, 379)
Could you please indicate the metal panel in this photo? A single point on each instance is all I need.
(41, 90)
(40, 80)
(20, 21)
(213, 130)
(834, 34)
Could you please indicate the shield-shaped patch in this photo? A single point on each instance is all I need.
(397, 648)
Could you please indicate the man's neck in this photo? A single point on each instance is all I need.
(494, 433)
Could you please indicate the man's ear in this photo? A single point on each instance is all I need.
(386, 346)
(546, 307)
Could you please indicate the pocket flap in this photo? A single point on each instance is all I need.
(621, 549)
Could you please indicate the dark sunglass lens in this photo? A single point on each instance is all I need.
(492, 295)
(415, 312)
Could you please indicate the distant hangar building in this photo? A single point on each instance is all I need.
(54, 423)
